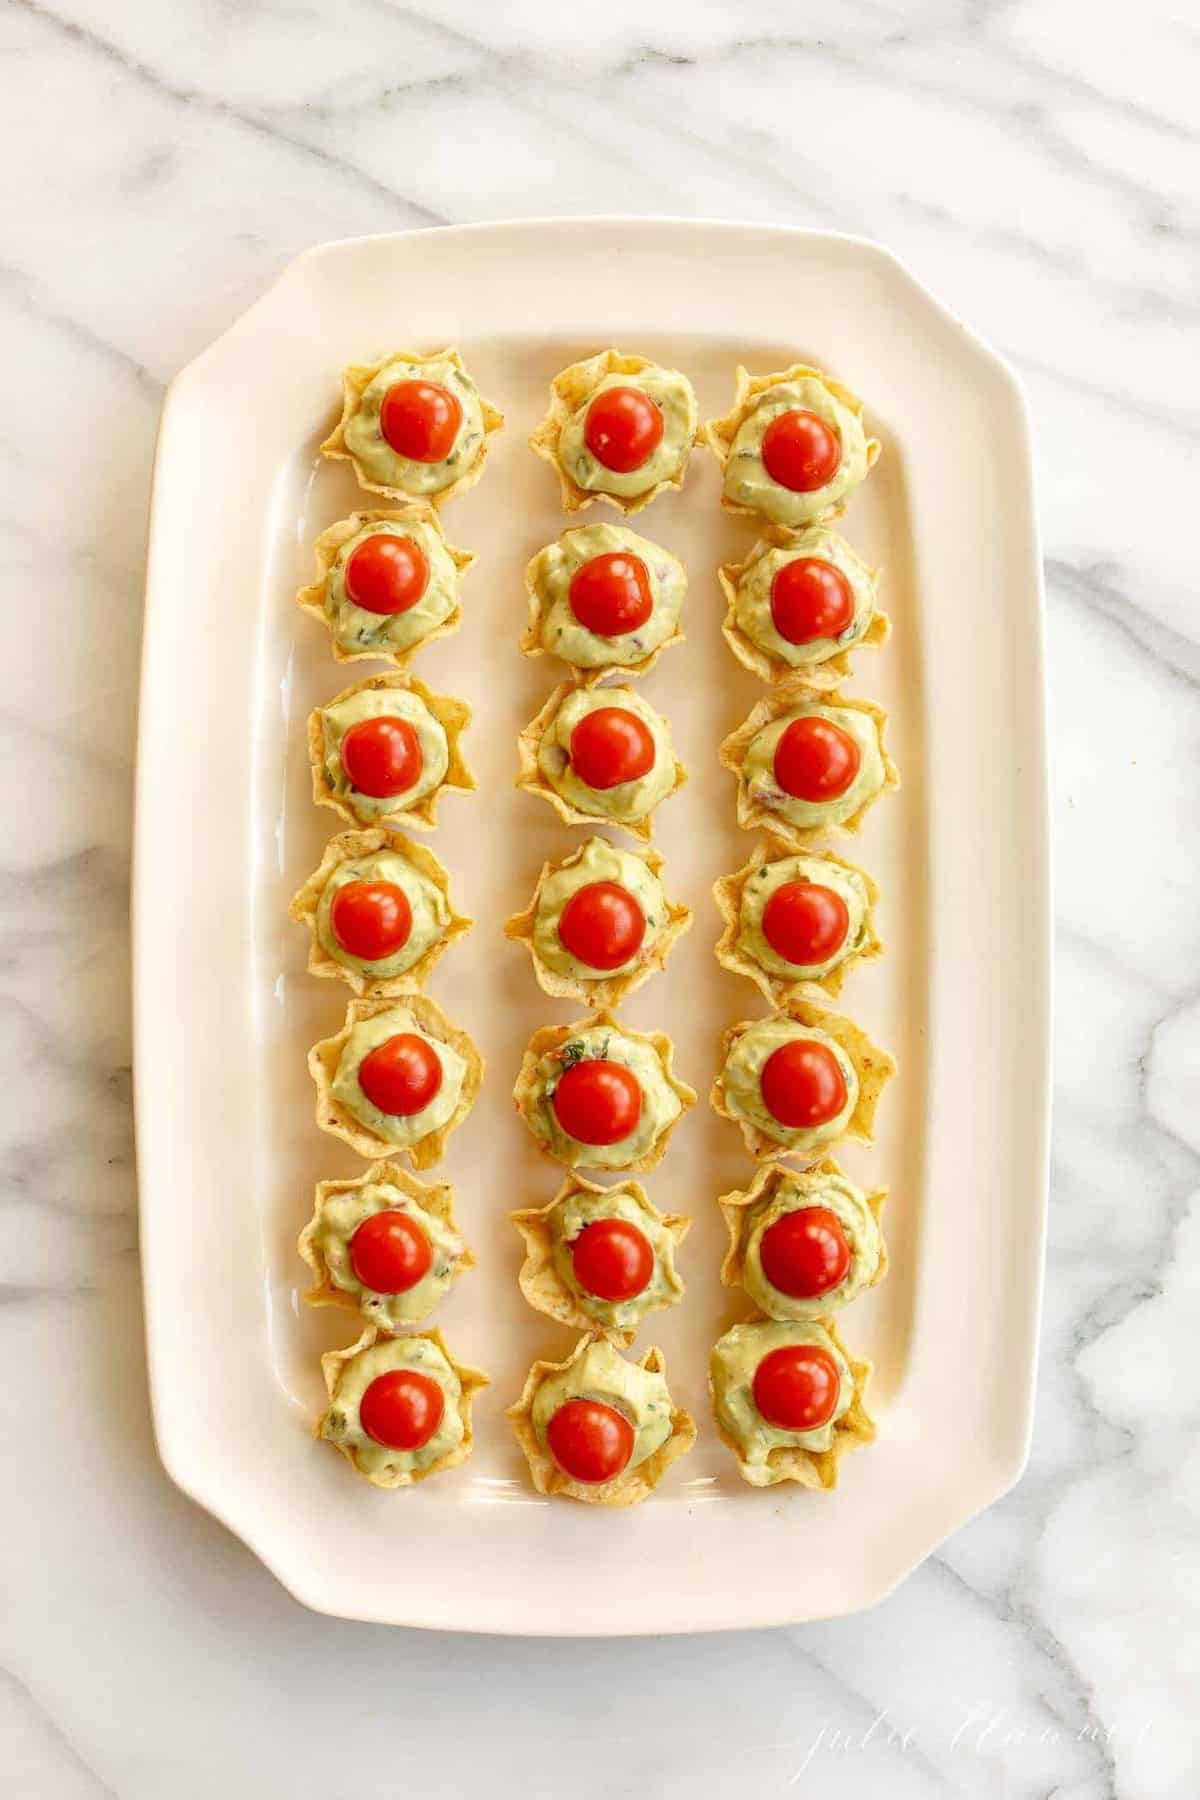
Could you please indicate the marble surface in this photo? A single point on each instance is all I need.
(1036, 163)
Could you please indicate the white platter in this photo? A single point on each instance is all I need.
(226, 831)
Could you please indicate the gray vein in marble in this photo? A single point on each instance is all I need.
(53, 1731)
(1094, 585)
(186, 96)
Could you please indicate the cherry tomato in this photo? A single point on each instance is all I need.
(611, 746)
(387, 574)
(598, 1102)
(402, 1409)
(800, 451)
(590, 1441)
(401, 1075)
(602, 925)
(802, 1084)
(797, 1387)
(623, 429)
(382, 757)
(611, 594)
(810, 599)
(805, 1253)
(612, 1259)
(805, 923)
(815, 759)
(389, 1253)
(420, 420)
(371, 919)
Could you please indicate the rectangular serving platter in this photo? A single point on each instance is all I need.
(224, 1011)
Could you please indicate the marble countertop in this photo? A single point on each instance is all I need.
(1036, 164)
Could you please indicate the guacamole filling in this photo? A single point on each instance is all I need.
(598, 861)
(761, 785)
(734, 1359)
(752, 606)
(429, 906)
(741, 1081)
(581, 1210)
(562, 632)
(396, 1128)
(601, 1374)
(746, 480)
(365, 441)
(672, 393)
(354, 628)
(342, 1423)
(379, 703)
(628, 802)
(661, 1105)
(849, 1206)
(340, 1217)
(767, 880)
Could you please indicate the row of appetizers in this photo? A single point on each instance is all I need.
(596, 1426)
(620, 428)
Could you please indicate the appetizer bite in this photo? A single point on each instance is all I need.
(598, 1428)
(793, 447)
(600, 754)
(809, 763)
(385, 749)
(599, 923)
(602, 598)
(399, 1407)
(387, 582)
(803, 1244)
(384, 1245)
(413, 427)
(619, 429)
(398, 1076)
(800, 1080)
(597, 1095)
(378, 911)
(599, 1259)
(796, 923)
(787, 1399)
(799, 605)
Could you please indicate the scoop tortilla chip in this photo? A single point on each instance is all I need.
(357, 379)
(312, 599)
(571, 388)
(334, 1364)
(728, 892)
(552, 1037)
(452, 715)
(816, 1469)
(530, 777)
(544, 1287)
(606, 990)
(742, 1208)
(632, 1485)
(760, 662)
(349, 846)
(437, 1201)
(719, 434)
(752, 815)
(533, 642)
(332, 1116)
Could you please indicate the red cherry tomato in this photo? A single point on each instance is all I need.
(420, 420)
(805, 923)
(387, 574)
(389, 1253)
(598, 1102)
(602, 925)
(612, 1259)
(402, 1409)
(805, 1253)
(382, 757)
(815, 759)
(371, 919)
(623, 429)
(810, 599)
(611, 594)
(401, 1075)
(610, 746)
(590, 1441)
(802, 1084)
(797, 1387)
(800, 451)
